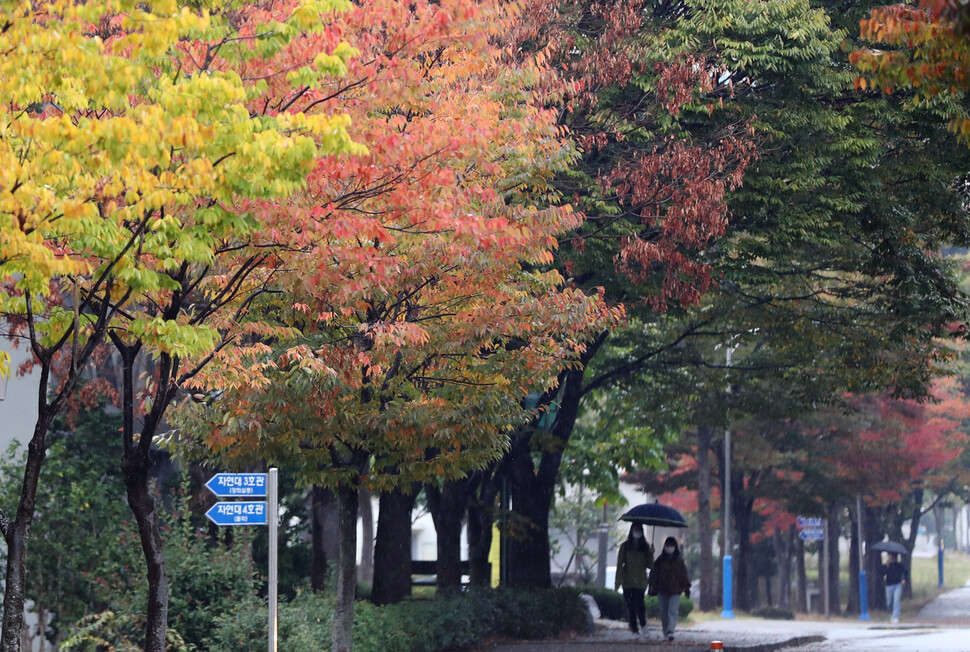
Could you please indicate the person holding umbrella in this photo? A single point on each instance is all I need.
(668, 580)
(632, 563)
(895, 574)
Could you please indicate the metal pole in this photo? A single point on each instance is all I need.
(272, 520)
(863, 588)
(825, 565)
(603, 545)
(727, 573)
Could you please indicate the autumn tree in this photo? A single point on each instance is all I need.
(414, 315)
(923, 48)
(830, 275)
(120, 196)
(653, 199)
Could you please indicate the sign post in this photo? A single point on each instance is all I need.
(274, 511)
(252, 485)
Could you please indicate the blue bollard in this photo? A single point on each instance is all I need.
(863, 597)
(728, 575)
(940, 563)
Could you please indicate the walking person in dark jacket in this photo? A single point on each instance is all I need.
(895, 576)
(632, 563)
(668, 579)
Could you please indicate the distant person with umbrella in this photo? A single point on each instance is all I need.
(668, 580)
(895, 574)
(632, 563)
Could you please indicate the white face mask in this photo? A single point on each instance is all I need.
(637, 535)
(669, 550)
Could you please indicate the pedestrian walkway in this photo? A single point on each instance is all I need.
(943, 625)
(737, 635)
(953, 607)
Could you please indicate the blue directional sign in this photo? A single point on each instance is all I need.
(812, 534)
(238, 513)
(238, 485)
(809, 521)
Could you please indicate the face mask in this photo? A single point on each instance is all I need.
(637, 535)
(669, 550)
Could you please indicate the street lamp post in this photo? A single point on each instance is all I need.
(727, 573)
(863, 589)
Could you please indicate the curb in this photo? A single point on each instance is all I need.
(798, 641)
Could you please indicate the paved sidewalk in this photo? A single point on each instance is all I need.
(938, 624)
(942, 625)
(953, 607)
(736, 635)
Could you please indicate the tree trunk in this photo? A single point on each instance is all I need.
(341, 633)
(783, 554)
(447, 504)
(392, 550)
(366, 571)
(853, 605)
(42, 628)
(872, 534)
(528, 532)
(17, 533)
(708, 596)
(832, 555)
(323, 533)
(136, 466)
(532, 489)
(481, 515)
(742, 560)
(142, 505)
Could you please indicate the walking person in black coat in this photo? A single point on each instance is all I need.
(632, 563)
(668, 579)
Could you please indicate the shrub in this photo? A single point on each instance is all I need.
(444, 623)
(304, 625)
(205, 578)
(774, 613)
(464, 620)
(118, 632)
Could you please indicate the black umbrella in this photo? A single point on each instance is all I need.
(890, 547)
(655, 514)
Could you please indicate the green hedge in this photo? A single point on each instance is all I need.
(446, 623)
(613, 607)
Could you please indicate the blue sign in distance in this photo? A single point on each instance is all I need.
(809, 521)
(812, 534)
(238, 513)
(238, 485)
